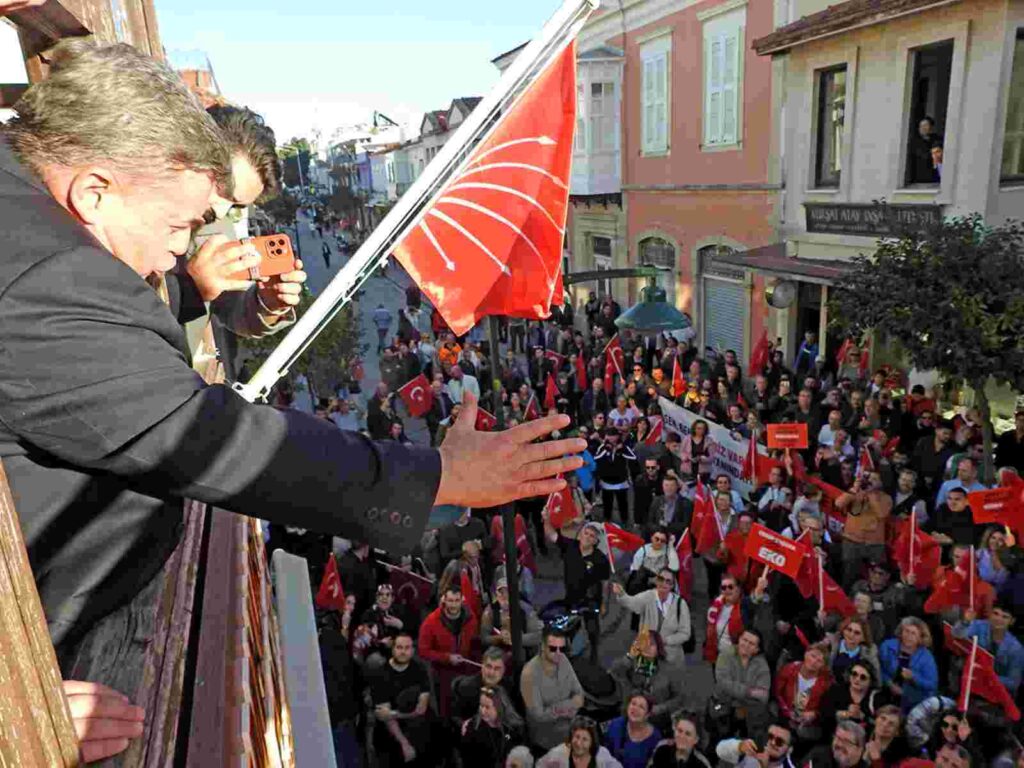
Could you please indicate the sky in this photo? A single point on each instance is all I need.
(318, 63)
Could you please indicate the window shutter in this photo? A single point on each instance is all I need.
(661, 113)
(730, 89)
(581, 119)
(713, 134)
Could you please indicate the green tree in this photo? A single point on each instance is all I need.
(329, 358)
(294, 154)
(953, 297)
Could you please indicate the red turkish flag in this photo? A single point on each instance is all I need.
(958, 645)
(702, 508)
(685, 552)
(490, 242)
(532, 411)
(814, 582)
(560, 508)
(556, 359)
(331, 595)
(609, 375)
(736, 547)
(960, 586)
(916, 552)
(706, 523)
(613, 352)
(865, 463)
(622, 539)
(865, 359)
(656, 431)
(550, 393)
(756, 467)
(485, 421)
(678, 382)
(979, 678)
(759, 356)
(417, 396)
(412, 591)
(581, 373)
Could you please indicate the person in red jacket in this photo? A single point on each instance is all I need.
(799, 687)
(449, 637)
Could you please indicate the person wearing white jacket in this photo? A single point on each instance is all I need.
(662, 610)
(745, 753)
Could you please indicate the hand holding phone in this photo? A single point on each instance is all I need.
(276, 257)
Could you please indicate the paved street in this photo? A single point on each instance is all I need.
(390, 291)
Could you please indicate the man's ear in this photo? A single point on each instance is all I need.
(90, 193)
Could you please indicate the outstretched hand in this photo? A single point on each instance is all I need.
(104, 719)
(485, 469)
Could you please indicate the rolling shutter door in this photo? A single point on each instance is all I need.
(723, 314)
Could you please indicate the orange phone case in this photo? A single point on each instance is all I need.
(278, 257)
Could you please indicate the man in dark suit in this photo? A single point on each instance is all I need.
(440, 409)
(671, 509)
(104, 427)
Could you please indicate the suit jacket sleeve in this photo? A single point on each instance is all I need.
(238, 311)
(94, 373)
(182, 294)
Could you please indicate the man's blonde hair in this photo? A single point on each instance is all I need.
(112, 103)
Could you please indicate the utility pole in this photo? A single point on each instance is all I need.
(508, 511)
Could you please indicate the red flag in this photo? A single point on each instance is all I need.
(550, 393)
(614, 353)
(581, 373)
(557, 360)
(609, 375)
(532, 412)
(331, 595)
(916, 552)
(757, 468)
(710, 533)
(958, 645)
(485, 421)
(736, 546)
(678, 382)
(866, 463)
(417, 396)
(959, 586)
(560, 508)
(621, 539)
(490, 242)
(411, 590)
(865, 360)
(703, 508)
(845, 347)
(656, 431)
(814, 582)
(470, 594)
(684, 549)
(979, 678)
(890, 447)
(759, 356)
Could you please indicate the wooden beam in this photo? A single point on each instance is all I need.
(45, 25)
(10, 93)
(35, 723)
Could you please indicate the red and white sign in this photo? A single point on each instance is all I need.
(788, 436)
(998, 505)
(775, 551)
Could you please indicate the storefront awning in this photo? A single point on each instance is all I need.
(772, 260)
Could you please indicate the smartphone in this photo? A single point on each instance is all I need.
(277, 253)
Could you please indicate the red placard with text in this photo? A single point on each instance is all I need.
(774, 550)
(788, 436)
(998, 505)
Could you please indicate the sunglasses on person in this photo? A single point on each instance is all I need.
(777, 741)
(860, 676)
(658, 539)
(950, 725)
(651, 467)
(555, 648)
(662, 580)
(728, 587)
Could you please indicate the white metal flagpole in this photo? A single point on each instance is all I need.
(562, 28)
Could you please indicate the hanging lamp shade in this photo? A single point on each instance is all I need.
(652, 313)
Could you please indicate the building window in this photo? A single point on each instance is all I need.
(933, 66)
(661, 253)
(581, 119)
(723, 72)
(1013, 141)
(831, 119)
(654, 94)
(602, 116)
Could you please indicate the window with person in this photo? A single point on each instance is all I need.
(929, 100)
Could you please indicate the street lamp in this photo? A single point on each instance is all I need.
(653, 312)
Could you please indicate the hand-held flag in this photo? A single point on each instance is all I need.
(331, 595)
(417, 396)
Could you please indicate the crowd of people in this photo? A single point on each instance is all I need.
(870, 680)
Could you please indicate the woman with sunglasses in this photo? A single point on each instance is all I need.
(493, 732)
(631, 738)
(661, 608)
(581, 750)
(854, 696)
(951, 729)
(852, 643)
(681, 750)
